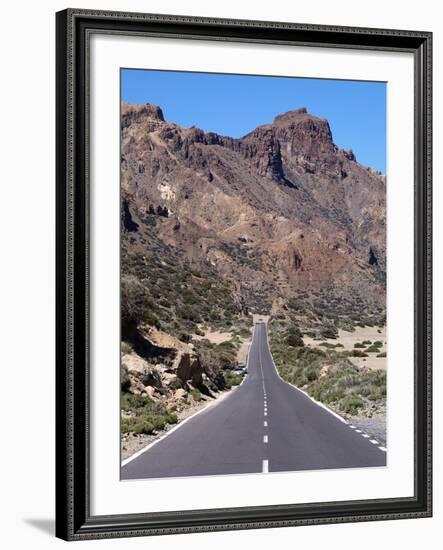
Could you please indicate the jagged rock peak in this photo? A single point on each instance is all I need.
(144, 109)
(295, 115)
(145, 113)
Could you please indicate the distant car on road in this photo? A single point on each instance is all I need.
(241, 368)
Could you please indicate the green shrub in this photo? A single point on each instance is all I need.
(125, 381)
(359, 345)
(382, 354)
(185, 337)
(328, 345)
(136, 425)
(329, 331)
(172, 418)
(176, 384)
(131, 402)
(232, 379)
(311, 373)
(196, 394)
(136, 305)
(294, 337)
(158, 421)
(373, 349)
(358, 353)
(351, 404)
(125, 348)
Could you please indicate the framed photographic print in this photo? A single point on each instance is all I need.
(243, 274)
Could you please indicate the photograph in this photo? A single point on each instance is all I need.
(243, 273)
(252, 274)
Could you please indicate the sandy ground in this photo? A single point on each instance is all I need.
(348, 339)
(214, 336)
(242, 354)
(217, 337)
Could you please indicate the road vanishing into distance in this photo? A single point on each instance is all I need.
(264, 425)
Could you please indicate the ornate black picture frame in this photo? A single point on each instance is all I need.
(74, 29)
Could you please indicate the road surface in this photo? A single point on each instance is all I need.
(265, 425)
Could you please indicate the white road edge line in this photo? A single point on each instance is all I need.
(383, 449)
(298, 389)
(365, 435)
(374, 442)
(265, 466)
(180, 424)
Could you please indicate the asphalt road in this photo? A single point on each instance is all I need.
(265, 425)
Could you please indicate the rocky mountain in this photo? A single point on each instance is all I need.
(280, 211)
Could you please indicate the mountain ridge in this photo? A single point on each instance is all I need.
(280, 210)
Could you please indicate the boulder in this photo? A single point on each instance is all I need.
(150, 392)
(151, 377)
(189, 368)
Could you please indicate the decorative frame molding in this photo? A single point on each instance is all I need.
(74, 29)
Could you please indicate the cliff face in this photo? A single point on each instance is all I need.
(281, 210)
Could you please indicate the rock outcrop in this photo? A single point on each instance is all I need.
(162, 366)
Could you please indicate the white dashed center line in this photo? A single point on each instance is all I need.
(265, 463)
(383, 449)
(374, 441)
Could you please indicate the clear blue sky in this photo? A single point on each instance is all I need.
(233, 105)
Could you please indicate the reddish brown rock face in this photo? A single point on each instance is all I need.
(281, 209)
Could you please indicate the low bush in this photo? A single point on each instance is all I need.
(232, 379)
(351, 404)
(137, 426)
(329, 331)
(358, 353)
(294, 337)
(196, 394)
(373, 349)
(328, 345)
(125, 382)
(147, 415)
